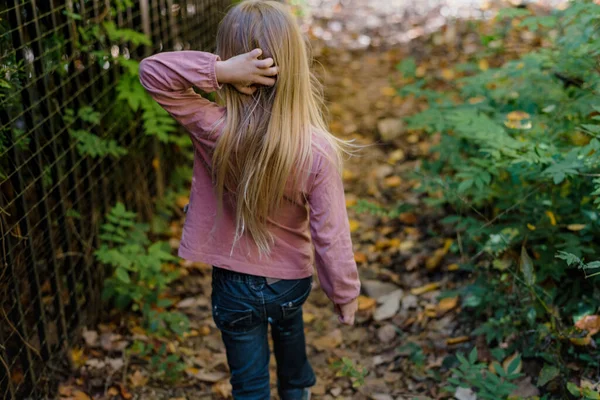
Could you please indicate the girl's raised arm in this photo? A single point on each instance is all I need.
(169, 78)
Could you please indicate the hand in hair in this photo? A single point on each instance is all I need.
(346, 312)
(245, 71)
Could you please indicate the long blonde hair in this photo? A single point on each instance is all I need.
(266, 142)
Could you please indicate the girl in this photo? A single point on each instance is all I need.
(267, 198)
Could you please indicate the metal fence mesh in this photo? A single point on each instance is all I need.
(52, 196)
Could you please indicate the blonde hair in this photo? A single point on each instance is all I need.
(266, 142)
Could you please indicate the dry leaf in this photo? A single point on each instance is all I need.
(447, 304)
(457, 340)
(79, 395)
(137, 379)
(576, 227)
(365, 302)
(425, 288)
(589, 323)
(354, 225)
(330, 341)
(308, 317)
(392, 181)
(222, 389)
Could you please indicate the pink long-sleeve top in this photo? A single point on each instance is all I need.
(311, 226)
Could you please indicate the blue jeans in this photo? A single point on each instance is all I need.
(243, 306)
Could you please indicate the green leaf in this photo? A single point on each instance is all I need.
(547, 373)
(527, 267)
(122, 275)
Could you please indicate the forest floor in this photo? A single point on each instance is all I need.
(408, 320)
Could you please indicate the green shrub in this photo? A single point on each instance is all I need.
(518, 163)
(138, 278)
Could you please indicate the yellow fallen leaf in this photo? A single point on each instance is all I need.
(484, 65)
(584, 341)
(395, 156)
(387, 91)
(365, 302)
(360, 258)
(517, 116)
(531, 227)
(308, 317)
(447, 74)
(78, 357)
(79, 395)
(348, 175)
(392, 181)
(330, 341)
(350, 202)
(476, 100)
(156, 163)
(576, 227)
(425, 288)
(457, 340)
(448, 304)
(453, 267)
(354, 225)
(181, 201)
(551, 216)
(421, 71)
(113, 391)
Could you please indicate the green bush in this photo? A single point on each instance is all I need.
(138, 279)
(518, 165)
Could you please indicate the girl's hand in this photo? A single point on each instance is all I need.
(245, 71)
(346, 312)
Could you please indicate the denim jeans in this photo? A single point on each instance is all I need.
(243, 306)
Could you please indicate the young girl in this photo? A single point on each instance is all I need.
(267, 199)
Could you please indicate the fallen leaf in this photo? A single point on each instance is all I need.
(447, 304)
(307, 317)
(517, 115)
(203, 376)
(387, 91)
(576, 227)
(78, 357)
(137, 379)
(222, 389)
(360, 258)
(425, 288)
(589, 323)
(365, 302)
(457, 340)
(354, 225)
(79, 395)
(330, 341)
(392, 181)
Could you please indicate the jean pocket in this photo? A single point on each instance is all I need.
(290, 308)
(233, 320)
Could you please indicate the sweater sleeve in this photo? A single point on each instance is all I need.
(330, 232)
(169, 77)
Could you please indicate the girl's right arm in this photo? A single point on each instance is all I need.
(169, 78)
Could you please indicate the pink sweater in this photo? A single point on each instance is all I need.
(317, 212)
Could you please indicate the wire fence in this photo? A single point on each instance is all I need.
(55, 86)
